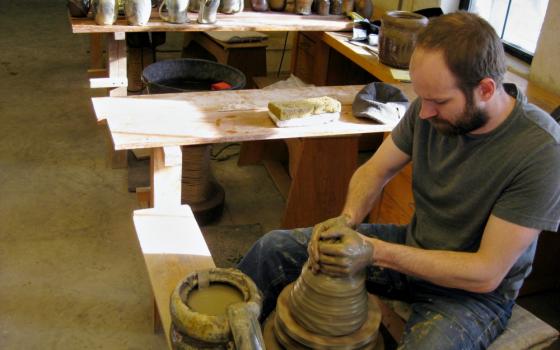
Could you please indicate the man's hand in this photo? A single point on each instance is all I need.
(344, 252)
(339, 222)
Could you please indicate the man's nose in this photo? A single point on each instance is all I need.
(427, 110)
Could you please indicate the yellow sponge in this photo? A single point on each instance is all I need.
(314, 110)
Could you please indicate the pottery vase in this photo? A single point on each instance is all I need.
(176, 11)
(323, 7)
(303, 7)
(397, 37)
(207, 10)
(336, 7)
(231, 6)
(106, 11)
(259, 5)
(138, 11)
(277, 5)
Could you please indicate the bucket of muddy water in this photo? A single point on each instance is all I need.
(216, 309)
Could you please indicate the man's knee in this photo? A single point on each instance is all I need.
(284, 240)
(434, 332)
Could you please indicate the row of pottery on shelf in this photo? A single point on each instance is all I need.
(321, 7)
(138, 12)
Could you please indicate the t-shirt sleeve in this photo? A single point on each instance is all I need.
(403, 133)
(533, 197)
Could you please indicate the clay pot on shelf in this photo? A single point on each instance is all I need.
(231, 6)
(277, 5)
(259, 5)
(207, 10)
(303, 7)
(138, 11)
(397, 37)
(336, 7)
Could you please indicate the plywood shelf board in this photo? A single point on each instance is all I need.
(222, 116)
(243, 21)
(173, 247)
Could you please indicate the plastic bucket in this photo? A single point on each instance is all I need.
(189, 74)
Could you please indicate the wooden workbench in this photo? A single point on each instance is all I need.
(113, 74)
(169, 236)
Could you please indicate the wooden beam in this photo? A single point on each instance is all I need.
(166, 170)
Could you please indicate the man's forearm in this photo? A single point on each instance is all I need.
(362, 193)
(368, 181)
(462, 270)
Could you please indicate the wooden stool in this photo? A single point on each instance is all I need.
(524, 330)
(248, 57)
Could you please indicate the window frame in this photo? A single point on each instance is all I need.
(510, 48)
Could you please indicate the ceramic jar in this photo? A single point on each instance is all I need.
(397, 37)
(303, 7)
(176, 11)
(207, 10)
(138, 11)
(231, 6)
(259, 5)
(106, 11)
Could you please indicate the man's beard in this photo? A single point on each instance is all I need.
(471, 119)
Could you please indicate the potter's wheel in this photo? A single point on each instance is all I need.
(287, 333)
(272, 344)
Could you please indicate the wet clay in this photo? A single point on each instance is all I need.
(327, 305)
(323, 312)
(214, 299)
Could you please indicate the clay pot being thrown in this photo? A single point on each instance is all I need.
(201, 307)
(327, 305)
(397, 37)
(318, 311)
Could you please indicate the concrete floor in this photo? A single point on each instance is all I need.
(71, 272)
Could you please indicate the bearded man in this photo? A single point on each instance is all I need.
(486, 172)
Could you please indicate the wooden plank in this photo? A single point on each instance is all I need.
(96, 51)
(173, 247)
(319, 186)
(243, 21)
(96, 83)
(220, 116)
(358, 55)
(117, 63)
(165, 172)
(279, 176)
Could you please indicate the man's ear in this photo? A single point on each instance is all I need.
(486, 89)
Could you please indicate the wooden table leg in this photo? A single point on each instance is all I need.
(165, 170)
(320, 180)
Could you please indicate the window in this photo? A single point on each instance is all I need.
(517, 22)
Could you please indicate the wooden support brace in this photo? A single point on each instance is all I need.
(96, 83)
(166, 167)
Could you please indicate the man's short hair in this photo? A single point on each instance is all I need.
(470, 45)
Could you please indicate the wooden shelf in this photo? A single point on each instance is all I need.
(246, 20)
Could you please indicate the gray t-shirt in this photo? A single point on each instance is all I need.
(512, 172)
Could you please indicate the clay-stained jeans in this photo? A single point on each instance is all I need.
(441, 318)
